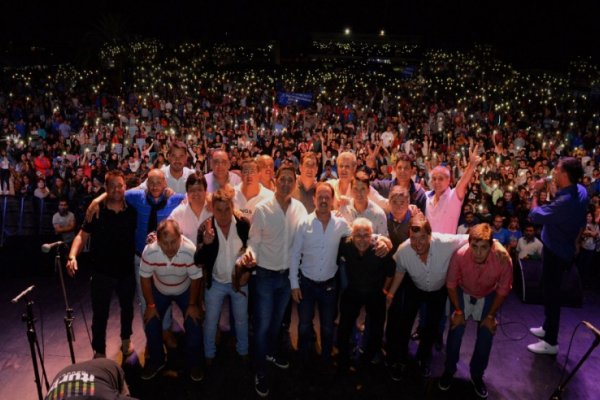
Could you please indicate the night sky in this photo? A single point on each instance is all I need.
(533, 33)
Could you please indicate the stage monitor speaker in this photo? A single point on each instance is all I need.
(531, 290)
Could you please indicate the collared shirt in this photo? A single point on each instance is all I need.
(443, 215)
(431, 275)
(174, 276)
(246, 206)
(373, 213)
(188, 221)
(229, 251)
(562, 218)
(317, 248)
(304, 196)
(177, 184)
(212, 185)
(526, 248)
(272, 232)
(479, 280)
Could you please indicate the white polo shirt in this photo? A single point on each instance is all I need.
(247, 206)
(171, 277)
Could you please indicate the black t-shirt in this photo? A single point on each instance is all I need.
(113, 241)
(366, 273)
(98, 379)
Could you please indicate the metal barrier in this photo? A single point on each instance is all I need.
(25, 216)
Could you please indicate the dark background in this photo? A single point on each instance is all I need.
(533, 34)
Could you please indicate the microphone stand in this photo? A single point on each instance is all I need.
(69, 311)
(557, 395)
(34, 348)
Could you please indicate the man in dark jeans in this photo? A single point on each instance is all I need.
(563, 220)
(112, 250)
(368, 276)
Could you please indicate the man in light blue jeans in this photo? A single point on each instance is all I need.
(221, 239)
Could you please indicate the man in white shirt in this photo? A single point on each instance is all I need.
(220, 175)
(425, 257)
(314, 282)
(223, 238)
(361, 206)
(528, 246)
(274, 226)
(250, 192)
(176, 172)
(193, 212)
(168, 273)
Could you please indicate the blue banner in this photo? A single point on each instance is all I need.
(290, 98)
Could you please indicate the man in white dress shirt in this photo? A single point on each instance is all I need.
(274, 226)
(314, 282)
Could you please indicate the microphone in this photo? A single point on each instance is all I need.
(46, 247)
(24, 293)
(592, 328)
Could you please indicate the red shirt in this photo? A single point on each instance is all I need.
(479, 280)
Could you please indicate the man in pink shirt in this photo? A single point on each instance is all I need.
(478, 282)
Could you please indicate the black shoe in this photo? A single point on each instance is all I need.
(279, 362)
(445, 382)
(397, 371)
(261, 386)
(480, 388)
(150, 371)
(197, 374)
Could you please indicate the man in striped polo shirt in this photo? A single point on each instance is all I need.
(168, 273)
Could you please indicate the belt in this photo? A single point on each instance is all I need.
(325, 283)
(272, 272)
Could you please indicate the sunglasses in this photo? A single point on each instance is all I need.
(415, 229)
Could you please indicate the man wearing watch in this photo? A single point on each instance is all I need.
(112, 252)
(478, 282)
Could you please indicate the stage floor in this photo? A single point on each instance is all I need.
(513, 373)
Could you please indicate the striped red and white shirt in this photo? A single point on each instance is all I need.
(173, 276)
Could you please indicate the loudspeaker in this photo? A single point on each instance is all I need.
(571, 293)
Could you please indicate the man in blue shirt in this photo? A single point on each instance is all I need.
(563, 220)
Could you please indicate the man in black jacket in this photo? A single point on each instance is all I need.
(218, 250)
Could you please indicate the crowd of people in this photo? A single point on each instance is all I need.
(384, 189)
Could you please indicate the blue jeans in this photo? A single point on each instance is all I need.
(272, 294)
(213, 301)
(483, 344)
(323, 295)
(193, 330)
(168, 318)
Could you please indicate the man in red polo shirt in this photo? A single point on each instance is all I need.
(478, 282)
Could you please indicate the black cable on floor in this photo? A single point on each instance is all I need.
(503, 324)
(564, 368)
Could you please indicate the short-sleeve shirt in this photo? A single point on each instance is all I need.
(112, 241)
(366, 273)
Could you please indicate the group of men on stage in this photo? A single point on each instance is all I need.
(337, 246)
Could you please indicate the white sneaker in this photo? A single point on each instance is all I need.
(542, 347)
(539, 332)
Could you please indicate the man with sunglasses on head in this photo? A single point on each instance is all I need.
(425, 258)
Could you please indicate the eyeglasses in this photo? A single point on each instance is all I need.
(249, 171)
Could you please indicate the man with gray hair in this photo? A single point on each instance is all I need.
(368, 277)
